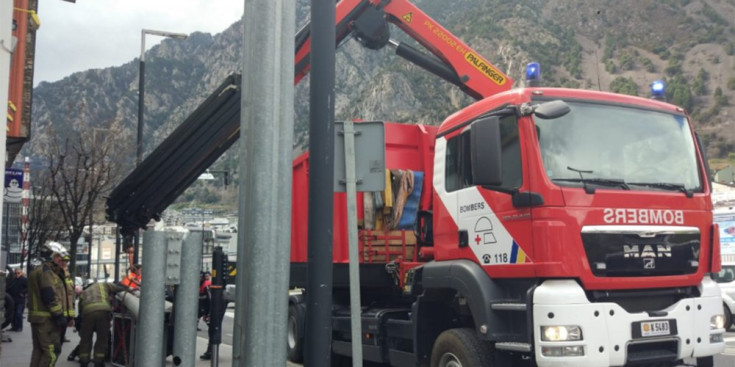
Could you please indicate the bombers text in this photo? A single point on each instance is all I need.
(643, 216)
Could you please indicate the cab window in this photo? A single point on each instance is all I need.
(458, 169)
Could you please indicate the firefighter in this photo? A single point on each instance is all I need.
(50, 304)
(96, 310)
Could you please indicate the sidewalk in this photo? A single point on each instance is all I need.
(18, 352)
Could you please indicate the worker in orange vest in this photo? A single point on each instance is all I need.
(132, 280)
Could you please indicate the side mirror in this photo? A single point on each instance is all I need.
(551, 110)
(485, 155)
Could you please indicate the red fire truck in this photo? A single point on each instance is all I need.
(537, 226)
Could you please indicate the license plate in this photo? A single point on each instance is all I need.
(655, 328)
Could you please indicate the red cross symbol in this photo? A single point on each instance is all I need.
(477, 239)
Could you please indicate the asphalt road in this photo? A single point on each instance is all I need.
(726, 359)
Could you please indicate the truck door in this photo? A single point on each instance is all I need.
(489, 228)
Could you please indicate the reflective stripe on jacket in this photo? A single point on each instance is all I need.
(49, 278)
(97, 297)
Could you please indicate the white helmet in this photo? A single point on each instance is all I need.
(51, 249)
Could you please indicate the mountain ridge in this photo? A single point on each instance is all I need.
(614, 46)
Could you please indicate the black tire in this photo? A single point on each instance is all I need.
(461, 348)
(338, 360)
(728, 317)
(294, 343)
(706, 361)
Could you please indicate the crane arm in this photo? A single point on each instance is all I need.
(450, 58)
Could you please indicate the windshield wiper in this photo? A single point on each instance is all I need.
(598, 181)
(666, 186)
(581, 179)
(614, 182)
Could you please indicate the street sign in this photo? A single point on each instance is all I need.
(369, 156)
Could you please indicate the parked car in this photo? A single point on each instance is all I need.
(726, 281)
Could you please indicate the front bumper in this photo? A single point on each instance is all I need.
(607, 329)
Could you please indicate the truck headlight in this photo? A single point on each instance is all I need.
(717, 322)
(561, 333)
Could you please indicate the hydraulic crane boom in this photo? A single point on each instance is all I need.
(163, 176)
(453, 60)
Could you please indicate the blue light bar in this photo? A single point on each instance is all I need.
(658, 89)
(533, 71)
(533, 74)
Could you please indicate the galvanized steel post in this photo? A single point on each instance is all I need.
(265, 188)
(186, 306)
(149, 345)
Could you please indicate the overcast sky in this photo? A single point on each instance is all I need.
(91, 34)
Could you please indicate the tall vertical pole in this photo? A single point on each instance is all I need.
(26, 197)
(139, 141)
(141, 98)
(321, 193)
(351, 190)
(118, 247)
(149, 345)
(187, 301)
(266, 126)
(6, 19)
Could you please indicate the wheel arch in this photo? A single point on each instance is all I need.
(462, 277)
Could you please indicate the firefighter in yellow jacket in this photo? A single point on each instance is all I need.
(96, 310)
(50, 304)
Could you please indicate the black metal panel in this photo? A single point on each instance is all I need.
(628, 254)
(177, 162)
(645, 300)
(371, 276)
(650, 353)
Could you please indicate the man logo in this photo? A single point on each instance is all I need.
(647, 251)
(649, 263)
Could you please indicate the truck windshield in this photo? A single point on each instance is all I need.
(619, 147)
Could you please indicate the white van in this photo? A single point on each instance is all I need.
(726, 280)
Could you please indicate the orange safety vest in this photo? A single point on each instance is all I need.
(131, 281)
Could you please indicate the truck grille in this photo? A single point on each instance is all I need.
(625, 251)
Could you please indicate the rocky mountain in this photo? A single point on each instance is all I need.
(619, 46)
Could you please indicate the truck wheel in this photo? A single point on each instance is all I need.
(706, 361)
(460, 348)
(295, 345)
(728, 317)
(338, 360)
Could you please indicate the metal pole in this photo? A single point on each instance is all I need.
(6, 14)
(217, 305)
(118, 246)
(351, 188)
(136, 247)
(141, 107)
(265, 192)
(91, 243)
(139, 141)
(141, 98)
(318, 339)
(149, 345)
(24, 212)
(187, 302)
